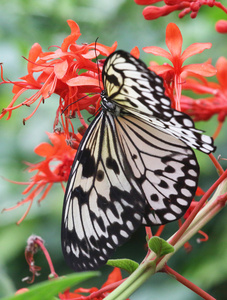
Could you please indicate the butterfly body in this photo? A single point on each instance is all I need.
(134, 165)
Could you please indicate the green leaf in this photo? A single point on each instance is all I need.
(124, 264)
(160, 246)
(48, 289)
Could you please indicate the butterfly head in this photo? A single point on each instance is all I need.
(108, 105)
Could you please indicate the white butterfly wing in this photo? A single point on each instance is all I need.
(125, 172)
(165, 168)
(103, 205)
(133, 87)
(139, 91)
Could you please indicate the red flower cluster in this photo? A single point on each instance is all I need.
(114, 279)
(205, 108)
(55, 167)
(191, 6)
(68, 71)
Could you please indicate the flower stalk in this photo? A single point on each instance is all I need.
(188, 283)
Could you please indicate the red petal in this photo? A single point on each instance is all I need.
(75, 33)
(83, 80)
(157, 51)
(174, 39)
(34, 53)
(195, 49)
(135, 52)
(114, 276)
(199, 191)
(61, 69)
(200, 69)
(91, 54)
(44, 149)
(161, 69)
(221, 66)
(29, 81)
(104, 50)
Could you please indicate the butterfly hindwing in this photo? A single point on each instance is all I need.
(165, 167)
(103, 205)
(125, 173)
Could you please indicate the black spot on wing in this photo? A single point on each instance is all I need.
(100, 175)
(112, 164)
(169, 169)
(113, 79)
(88, 162)
(154, 197)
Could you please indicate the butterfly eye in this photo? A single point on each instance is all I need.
(134, 165)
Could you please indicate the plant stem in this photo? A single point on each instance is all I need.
(203, 217)
(147, 269)
(133, 282)
(188, 284)
(197, 209)
(46, 253)
(216, 164)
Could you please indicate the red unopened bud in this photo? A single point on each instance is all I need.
(221, 26)
(173, 2)
(146, 2)
(21, 291)
(152, 13)
(184, 12)
(193, 15)
(211, 3)
(195, 6)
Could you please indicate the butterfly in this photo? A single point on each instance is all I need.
(134, 165)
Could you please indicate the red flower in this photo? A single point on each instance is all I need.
(35, 243)
(59, 72)
(205, 108)
(113, 281)
(54, 168)
(174, 73)
(191, 6)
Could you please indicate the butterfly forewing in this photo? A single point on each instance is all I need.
(140, 91)
(133, 87)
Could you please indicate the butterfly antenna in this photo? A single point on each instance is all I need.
(97, 62)
(76, 102)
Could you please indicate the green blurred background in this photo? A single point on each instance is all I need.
(22, 23)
